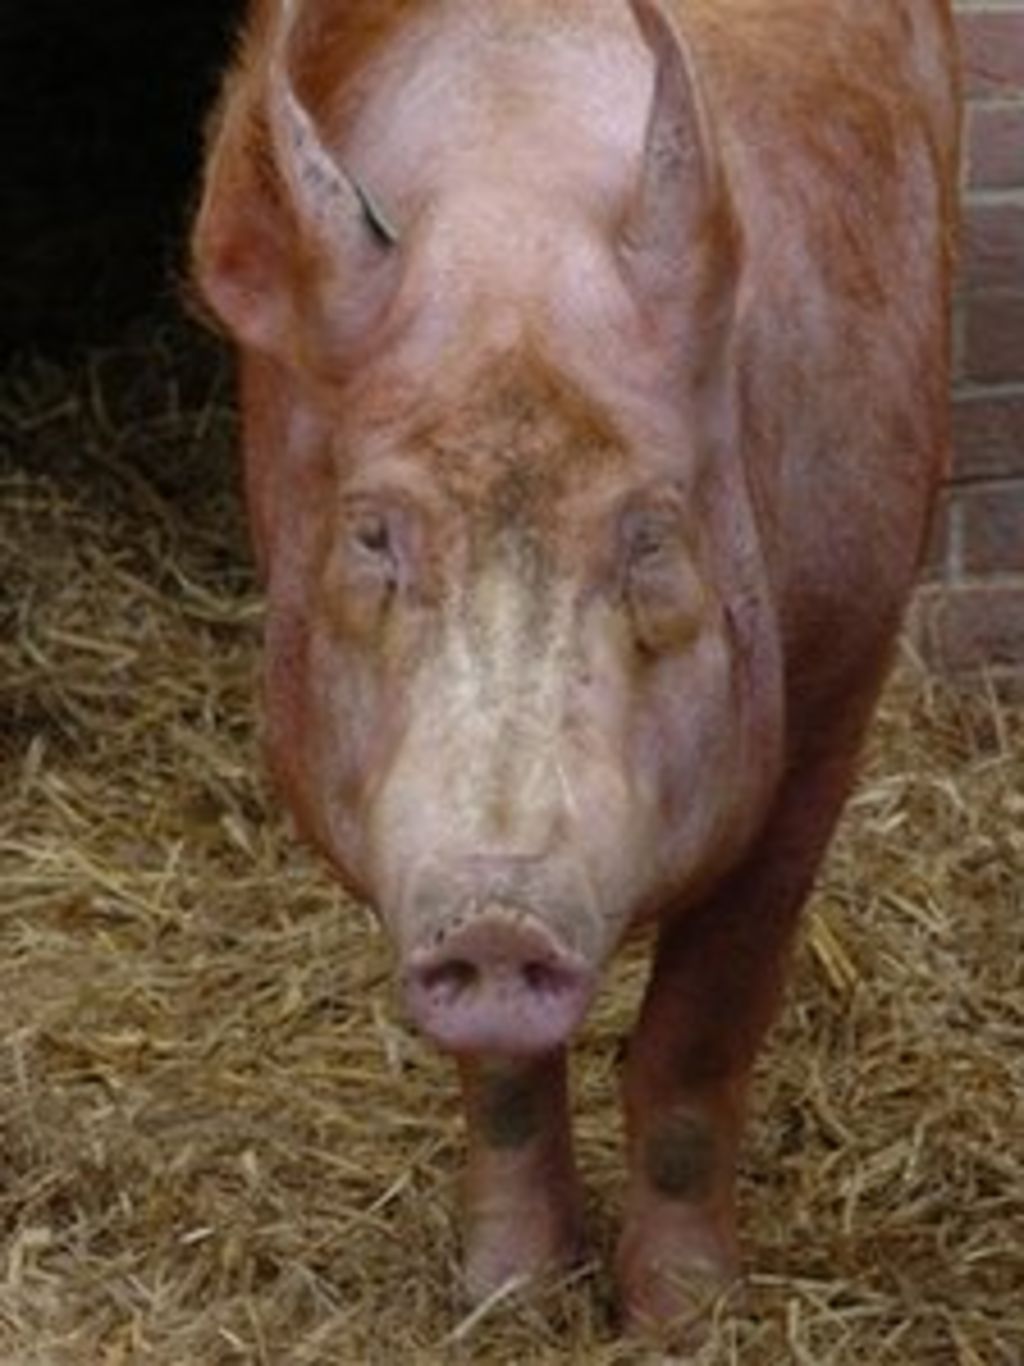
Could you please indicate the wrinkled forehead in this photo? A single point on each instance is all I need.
(519, 443)
(508, 447)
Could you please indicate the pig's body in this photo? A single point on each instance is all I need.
(594, 384)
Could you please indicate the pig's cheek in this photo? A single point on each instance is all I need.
(320, 718)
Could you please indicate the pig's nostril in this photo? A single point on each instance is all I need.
(449, 980)
(541, 979)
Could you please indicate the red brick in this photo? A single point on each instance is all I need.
(993, 51)
(971, 626)
(992, 529)
(993, 246)
(988, 435)
(993, 339)
(995, 146)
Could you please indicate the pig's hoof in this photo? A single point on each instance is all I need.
(518, 1253)
(670, 1282)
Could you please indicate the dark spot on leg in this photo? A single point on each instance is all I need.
(679, 1158)
(510, 1114)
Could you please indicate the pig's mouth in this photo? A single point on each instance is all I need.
(498, 983)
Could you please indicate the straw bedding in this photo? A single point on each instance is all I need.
(219, 1143)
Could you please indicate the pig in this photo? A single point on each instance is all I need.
(593, 378)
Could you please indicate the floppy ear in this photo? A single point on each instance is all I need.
(280, 219)
(680, 238)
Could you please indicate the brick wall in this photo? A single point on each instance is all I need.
(972, 611)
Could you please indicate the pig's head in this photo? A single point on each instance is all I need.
(522, 674)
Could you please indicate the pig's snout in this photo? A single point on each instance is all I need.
(499, 983)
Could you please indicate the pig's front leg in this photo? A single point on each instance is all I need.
(522, 1205)
(686, 1073)
(714, 989)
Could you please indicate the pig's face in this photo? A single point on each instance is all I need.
(503, 694)
(523, 681)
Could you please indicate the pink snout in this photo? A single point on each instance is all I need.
(500, 983)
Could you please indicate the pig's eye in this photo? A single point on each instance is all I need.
(649, 540)
(363, 570)
(662, 589)
(370, 536)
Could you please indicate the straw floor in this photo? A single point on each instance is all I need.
(219, 1144)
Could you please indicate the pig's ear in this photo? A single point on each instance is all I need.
(242, 247)
(680, 240)
(332, 205)
(284, 236)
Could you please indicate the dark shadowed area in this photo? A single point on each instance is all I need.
(101, 109)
